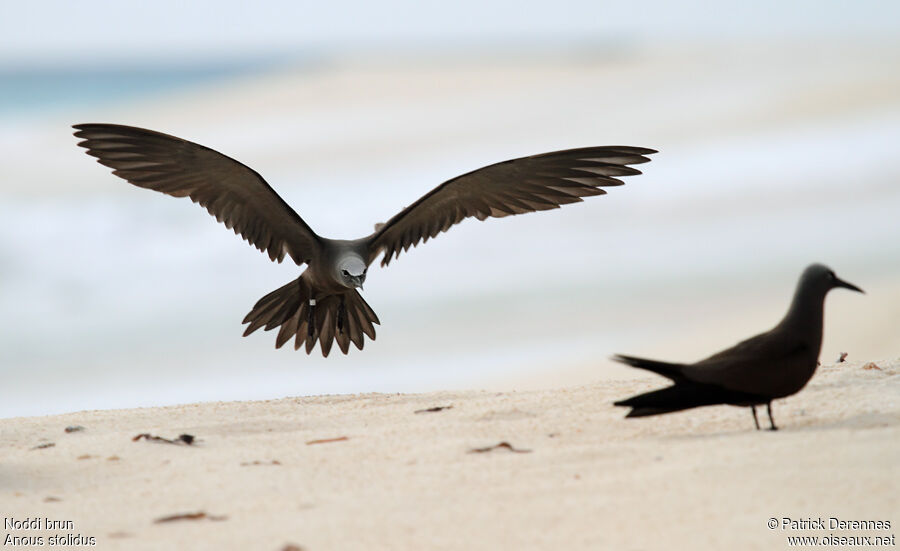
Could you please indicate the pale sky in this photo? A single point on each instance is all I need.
(48, 31)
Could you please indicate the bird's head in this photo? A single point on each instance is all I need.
(352, 272)
(821, 278)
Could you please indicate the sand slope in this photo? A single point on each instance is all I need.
(404, 480)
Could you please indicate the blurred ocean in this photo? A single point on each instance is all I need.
(770, 158)
(27, 92)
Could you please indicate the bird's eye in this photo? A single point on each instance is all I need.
(831, 275)
(345, 272)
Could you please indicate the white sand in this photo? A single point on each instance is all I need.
(702, 479)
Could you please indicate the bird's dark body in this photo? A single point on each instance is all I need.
(774, 364)
(323, 304)
(321, 276)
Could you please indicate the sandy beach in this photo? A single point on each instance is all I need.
(381, 471)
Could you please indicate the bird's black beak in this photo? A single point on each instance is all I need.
(845, 285)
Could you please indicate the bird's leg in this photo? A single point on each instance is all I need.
(771, 421)
(342, 316)
(311, 319)
(755, 420)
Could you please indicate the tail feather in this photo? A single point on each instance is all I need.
(344, 318)
(325, 323)
(354, 327)
(666, 369)
(289, 328)
(267, 310)
(681, 396)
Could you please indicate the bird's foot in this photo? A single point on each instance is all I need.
(341, 317)
(311, 319)
(755, 420)
(771, 419)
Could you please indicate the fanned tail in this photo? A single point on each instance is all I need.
(344, 318)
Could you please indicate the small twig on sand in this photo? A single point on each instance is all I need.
(505, 445)
(199, 515)
(328, 440)
(435, 409)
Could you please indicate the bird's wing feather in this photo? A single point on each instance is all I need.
(761, 365)
(232, 192)
(527, 184)
(763, 346)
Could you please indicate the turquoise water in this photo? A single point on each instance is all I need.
(26, 92)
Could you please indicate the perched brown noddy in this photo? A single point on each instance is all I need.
(323, 304)
(771, 365)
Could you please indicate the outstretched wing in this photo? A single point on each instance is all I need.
(528, 184)
(232, 192)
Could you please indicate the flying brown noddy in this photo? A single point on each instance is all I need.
(323, 304)
(771, 365)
